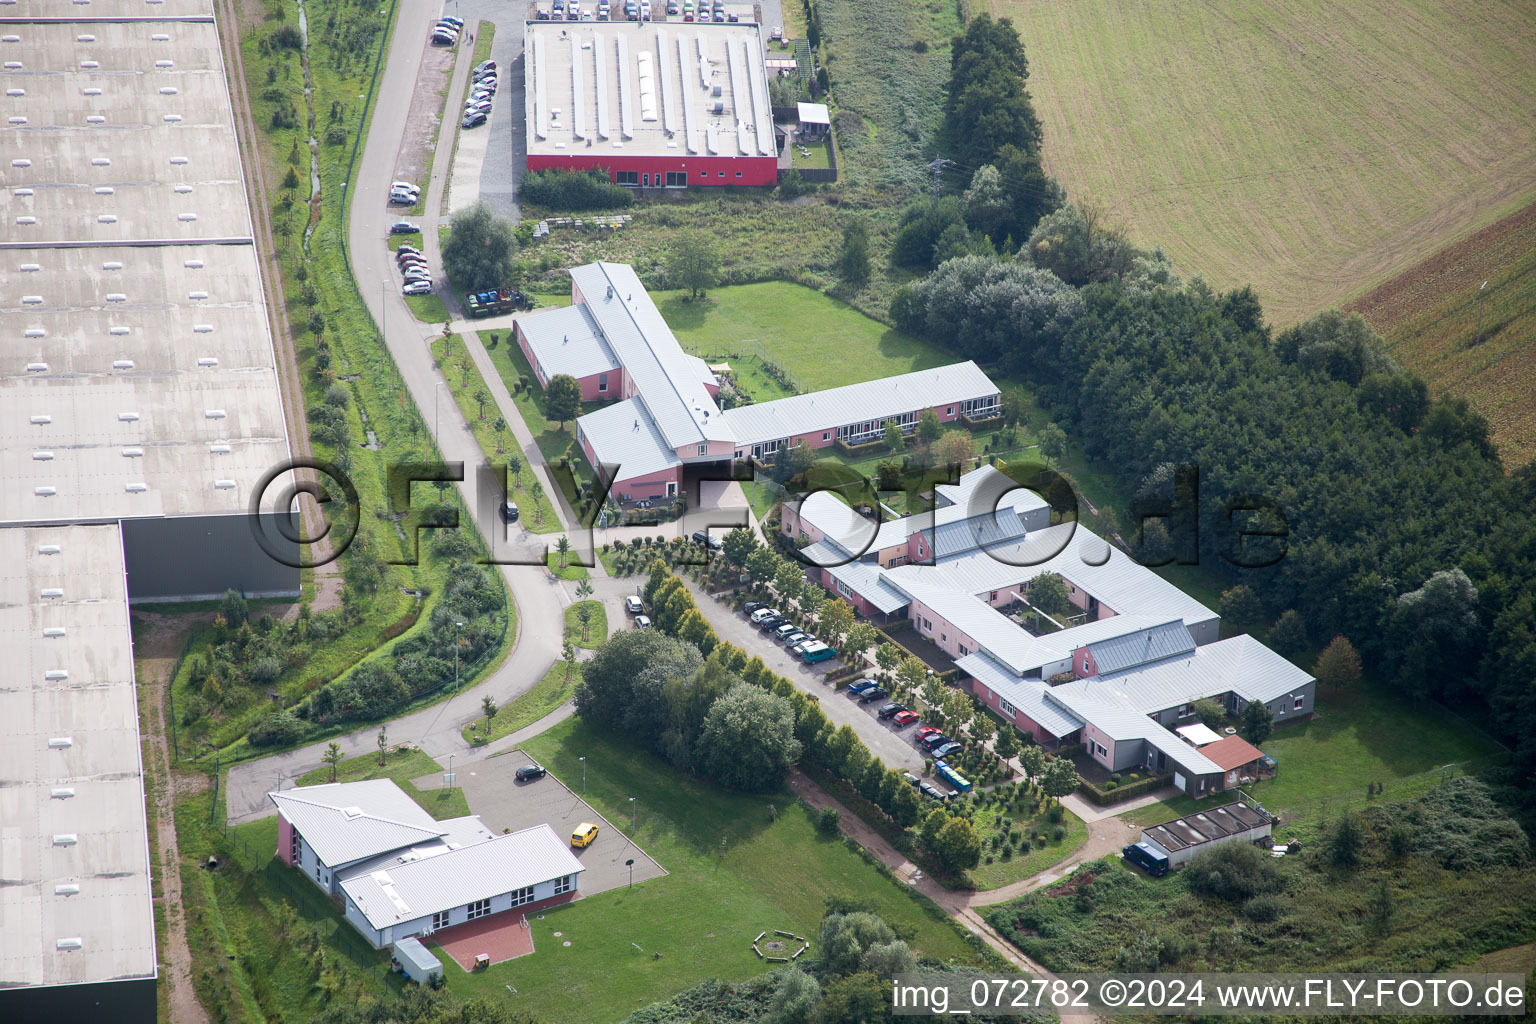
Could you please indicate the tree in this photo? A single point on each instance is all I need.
(1338, 345)
(905, 807)
(693, 263)
(1382, 907)
(1007, 745)
(836, 619)
(1048, 592)
(928, 426)
(748, 740)
(480, 398)
(1345, 841)
(861, 637)
(584, 590)
(855, 999)
(563, 546)
(955, 448)
(795, 998)
(563, 398)
(332, 757)
(515, 467)
(788, 580)
(894, 439)
(1338, 667)
(1240, 606)
(981, 725)
(1288, 636)
(568, 655)
(888, 656)
(1059, 778)
(910, 673)
(812, 597)
(1032, 760)
(1258, 722)
(1053, 441)
(584, 613)
(1210, 712)
(738, 544)
(481, 249)
(488, 705)
(1433, 630)
(383, 745)
(957, 845)
(987, 104)
(853, 262)
(762, 564)
(933, 822)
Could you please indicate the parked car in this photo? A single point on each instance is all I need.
(584, 835)
(415, 276)
(400, 195)
(923, 733)
(929, 789)
(936, 739)
(406, 251)
(947, 749)
(443, 37)
(760, 613)
(703, 537)
(411, 260)
(816, 651)
(633, 605)
(455, 22)
(905, 718)
(872, 695)
(478, 109)
(862, 685)
(892, 709)
(800, 647)
(796, 638)
(771, 623)
(510, 511)
(417, 288)
(485, 65)
(403, 227)
(752, 606)
(785, 631)
(530, 772)
(542, 14)
(473, 121)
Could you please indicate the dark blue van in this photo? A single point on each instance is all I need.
(1154, 862)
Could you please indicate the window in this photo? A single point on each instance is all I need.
(894, 562)
(704, 449)
(704, 174)
(943, 638)
(478, 909)
(722, 174)
(927, 626)
(1300, 700)
(1186, 710)
(602, 382)
(964, 650)
(843, 588)
(1006, 708)
(521, 896)
(949, 411)
(317, 867)
(440, 920)
(296, 848)
(645, 179)
(671, 488)
(826, 435)
(627, 177)
(563, 885)
(738, 174)
(993, 598)
(677, 179)
(1099, 749)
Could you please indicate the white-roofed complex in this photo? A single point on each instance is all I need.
(400, 872)
(615, 343)
(655, 105)
(1132, 658)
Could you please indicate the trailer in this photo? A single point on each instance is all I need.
(1181, 839)
(414, 960)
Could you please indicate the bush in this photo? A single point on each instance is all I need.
(575, 190)
(826, 822)
(277, 729)
(1234, 872)
(1264, 909)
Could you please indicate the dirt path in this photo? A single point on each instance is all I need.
(157, 648)
(959, 904)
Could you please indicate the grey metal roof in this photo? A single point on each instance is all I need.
(866, 580)
(496, 866)
(349, 821)
(985, 488)
(1122, 652)
(566, 340)
(1240, 664)
(626, 438)
(661, 371)
(855, 403)
(1028, 695)
(74, 852)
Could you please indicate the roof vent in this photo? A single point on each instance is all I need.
(10, 38)
(165, 63)
(66, 839)
(197, 295)
(42, 456)
(105, 190)
(208, 361)
(31, 300)
(34, 332)
(52, 592)
(49, 549)
(218, 449)
(94, 90)
(90, 65)
(107, 218)
(214, 414)
(41, 420)
(117, 297)
(53, 632)
(22, 192)
(15, 92)
(225, 485)
(122, 364)
(119, 330)
(128, 417)
(18, 119)
(21, 162)
(56, 675)
(13, 65)
(136, 488)
(202, 328)
(192, 264)
(178, 160)
(74, 942)
(186, 216)
(96, 119)
(183, 189)
(61, 742)
(45, 491)
(66, 889)
(26, 220)
(160, 37)
(63, 793)
(172, 118)
(83, 38)
(37, 367)
(351, 812)
(167, 90)
(112, 265)
(133, 453)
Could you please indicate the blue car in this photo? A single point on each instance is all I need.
(861, 686)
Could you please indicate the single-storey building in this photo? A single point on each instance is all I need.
(400, 872)
(815, 121)
(1181, 839)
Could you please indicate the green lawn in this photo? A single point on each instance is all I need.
(465, 381)
(988, 822)
(797, 327)
(428, 308)
(1326, 764)
(402, 765)
(570, 571)
(557, 687)
(736, 865)
(817, 160)
(597, 628)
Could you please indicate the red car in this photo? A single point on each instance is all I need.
(924, 733)
(904, 718)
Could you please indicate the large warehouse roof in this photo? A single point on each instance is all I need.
(647, 89)
(74, 855)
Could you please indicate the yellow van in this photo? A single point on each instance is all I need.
(584, 835)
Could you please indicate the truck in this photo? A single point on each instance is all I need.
(949, 775)
(494, 303)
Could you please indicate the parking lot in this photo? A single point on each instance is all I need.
(505, 804)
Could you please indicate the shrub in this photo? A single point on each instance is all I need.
(575, 190)
(1264, 909)
(1234, 872)
(277, 729)
(826, 822)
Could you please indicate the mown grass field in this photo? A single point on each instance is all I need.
(736, 864)
(1312, 149)
(1429, 318)
(402, 765)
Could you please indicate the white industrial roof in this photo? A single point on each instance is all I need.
(1240, 664)
(647, 89)
(663, 374)
(626, 440)
(74, 854)
(492, 868)
(1198, 734)
(566, 340)
(876, 400)
(350, 821)
(985, 488)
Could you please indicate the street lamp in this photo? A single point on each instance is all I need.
(450, 776)
(583, 761)
(635, 807)
(456, 627)
(631, 865)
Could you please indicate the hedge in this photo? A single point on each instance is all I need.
(1124, 790)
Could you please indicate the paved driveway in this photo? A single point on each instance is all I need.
(502, 803)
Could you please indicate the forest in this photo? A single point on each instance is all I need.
(1401, 530)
